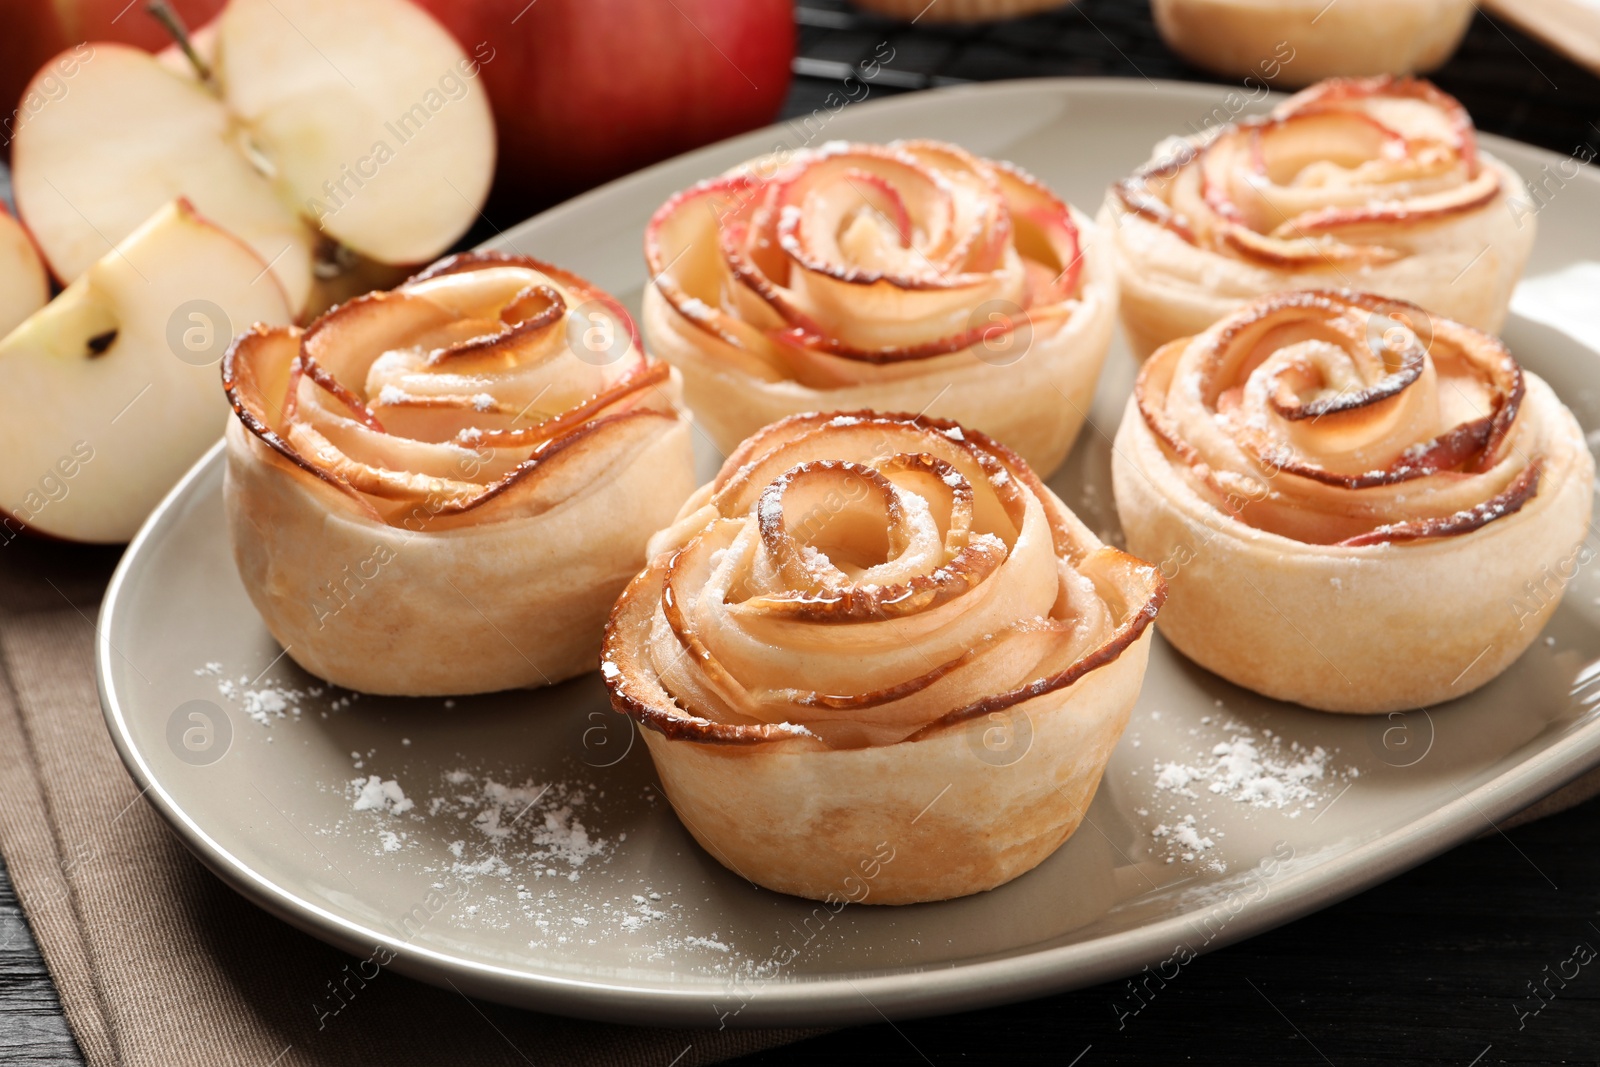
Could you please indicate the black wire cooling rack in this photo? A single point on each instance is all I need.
(1510, 83)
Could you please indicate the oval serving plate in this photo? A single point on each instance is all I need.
(515, 845)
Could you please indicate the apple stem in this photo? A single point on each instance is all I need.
(170, 21)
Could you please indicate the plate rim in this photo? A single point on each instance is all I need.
(845, 997)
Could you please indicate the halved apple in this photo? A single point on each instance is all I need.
(129, 136)
(24, 285)
(370, 113)
(109, 393)
(361, 118)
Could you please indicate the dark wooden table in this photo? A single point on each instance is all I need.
(1437, 966)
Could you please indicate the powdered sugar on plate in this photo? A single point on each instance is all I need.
(513, 854)
(539, 827)
(374, 794)
(1184, 836)
(264, 704)
(1233, 761)
(541, 865)
(1263, 773)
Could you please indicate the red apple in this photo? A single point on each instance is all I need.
(586, 90)
(36, 30)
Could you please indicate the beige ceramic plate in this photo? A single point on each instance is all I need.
(533, 862)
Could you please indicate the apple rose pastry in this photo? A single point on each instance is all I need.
(1297, 42)
(1351, 499)
(1374, 184)
(903, 277)
(877, 650)
(441, 489)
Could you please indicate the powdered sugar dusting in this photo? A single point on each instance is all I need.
(374, 794)
(534, 860)
(528, 848)
(1233, 761)
(1261, 772)
(265, 704)
(1185, 837)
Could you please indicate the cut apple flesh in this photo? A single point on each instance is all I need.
(94, 164)
(24, 285)
(110, 391)
(370, 114)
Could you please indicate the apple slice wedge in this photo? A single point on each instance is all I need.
(24, 285)
(96, 162)
(111, 391)
(369, 112)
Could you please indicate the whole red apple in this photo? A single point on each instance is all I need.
(586, 90)
(33, 31)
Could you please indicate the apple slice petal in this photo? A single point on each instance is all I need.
(371, 114)
(24, 284)
(93, 165)
(111, 389)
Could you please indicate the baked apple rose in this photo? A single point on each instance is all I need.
(441, 489)
(1376, 184)
(878, 632)
(911, 276)
(1350, 497)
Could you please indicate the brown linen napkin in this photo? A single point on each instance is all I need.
(158, 963)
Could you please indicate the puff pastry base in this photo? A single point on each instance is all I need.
(1364, 629)
(1241, 38)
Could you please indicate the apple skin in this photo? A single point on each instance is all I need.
(587, 90)
(36, 30)
(24, 282)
